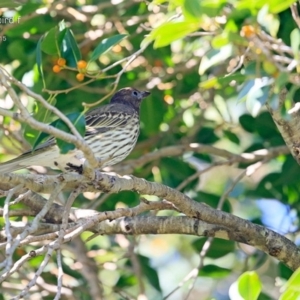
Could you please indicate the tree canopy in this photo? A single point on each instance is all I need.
(207, 205)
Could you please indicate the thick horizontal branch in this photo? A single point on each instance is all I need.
(258, 236)
(144, 225)
(163, 225)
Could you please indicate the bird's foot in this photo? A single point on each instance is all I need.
(70, 167)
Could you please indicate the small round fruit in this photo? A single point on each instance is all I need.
(80, 77)
(248, 31)
(61, 62)
(56, 69)
(81, 64)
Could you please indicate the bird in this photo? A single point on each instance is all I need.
(111, 132)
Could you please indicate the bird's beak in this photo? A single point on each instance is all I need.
(144, 94)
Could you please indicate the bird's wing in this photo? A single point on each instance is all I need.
(103, 120)
(99, 120)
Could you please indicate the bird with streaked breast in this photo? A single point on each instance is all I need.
(111, 132)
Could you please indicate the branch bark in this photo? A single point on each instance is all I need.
(236, 228)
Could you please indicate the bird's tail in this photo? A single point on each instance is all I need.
(11, 166)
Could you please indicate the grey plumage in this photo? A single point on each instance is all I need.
(111, 132)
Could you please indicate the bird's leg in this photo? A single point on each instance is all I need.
(84, 169)
(90, 172)
(78, 169)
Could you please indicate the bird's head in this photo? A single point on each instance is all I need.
(129, 96)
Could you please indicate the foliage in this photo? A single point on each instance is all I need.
(211, 67)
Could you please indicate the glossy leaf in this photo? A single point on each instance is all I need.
(232, 137)
(275, 6)
(52, 41)
(39, 61)
(265, 126)
(70, 48)
(192, 9)
(127, 281)
(33, 136)
(292, 287)
(295, 42)
(249, 286)
(247, 122)
(170, 32)
(149, 272)
(214, 271)
(106, 44)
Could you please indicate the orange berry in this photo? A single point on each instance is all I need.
(80, 77)
(248, 31)
(158, 63)
(81, 64)
(56, 69)
(61, 62)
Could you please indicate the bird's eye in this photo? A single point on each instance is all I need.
(135, 93)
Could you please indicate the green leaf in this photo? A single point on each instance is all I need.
(211, 8)
(170, 32)
(217, 249)
(284, 271)
(206, 135)
(149, 272)
(169, 167)
(265, 125)
(277, 6)
(43, 115)
(247, 122)
(213, 271)
(268, 21)
(70, 48)
(192, 9)
(39, 60)
(292, 287)
(220, 82)
(152, 113)
(232, 137)
(106, 44)
(249, 286)
(125, 197)
(290, 172)
(127, 281)
(210, 83)
(295, 42)
(52, 41)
